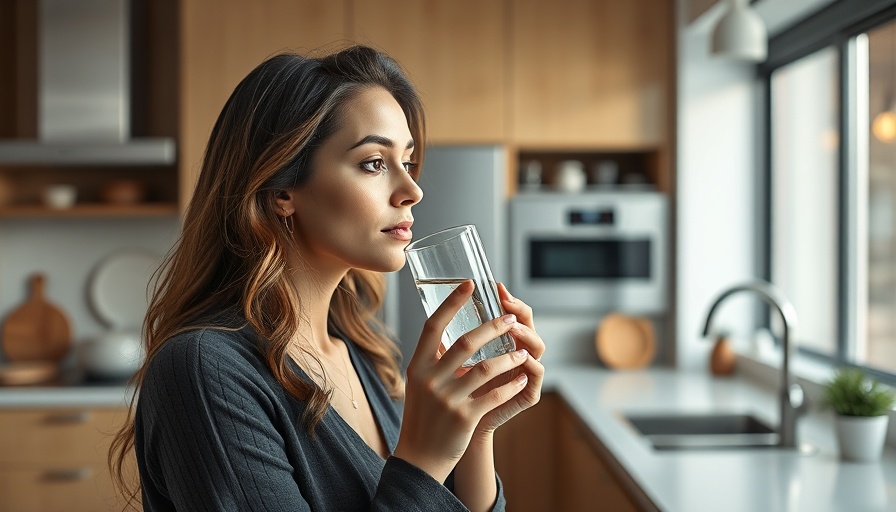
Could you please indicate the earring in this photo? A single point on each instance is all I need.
(288, 224)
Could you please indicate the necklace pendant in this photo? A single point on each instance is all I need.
(354, 404)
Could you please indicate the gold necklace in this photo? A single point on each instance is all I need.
(350, 387)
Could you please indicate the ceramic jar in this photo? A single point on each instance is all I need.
(569, 176)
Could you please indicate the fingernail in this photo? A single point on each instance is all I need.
(522, 354)
(522, 378)
(509, 319)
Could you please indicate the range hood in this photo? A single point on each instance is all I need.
(84, 91)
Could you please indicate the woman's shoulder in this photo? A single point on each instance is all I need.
(199, 357)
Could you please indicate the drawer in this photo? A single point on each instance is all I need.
(70, 489)
(39, 438)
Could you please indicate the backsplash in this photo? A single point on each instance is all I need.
(66, 251)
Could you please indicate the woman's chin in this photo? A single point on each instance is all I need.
(388, 264)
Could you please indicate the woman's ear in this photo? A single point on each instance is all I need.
(284, 200)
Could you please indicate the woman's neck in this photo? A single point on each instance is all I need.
(315, 295)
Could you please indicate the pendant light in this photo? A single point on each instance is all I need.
(884, 125)
(740, 33)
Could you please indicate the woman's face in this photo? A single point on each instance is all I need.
(355, 211)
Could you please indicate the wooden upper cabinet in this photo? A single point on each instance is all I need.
(454, 53)
(590, 73)
(222, 40)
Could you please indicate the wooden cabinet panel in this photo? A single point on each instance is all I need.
(221, 41)
(56, 459)
(588, 73)
(65, 436)
(72, 489)
(525, 458)
(583, 481)
(454, 52)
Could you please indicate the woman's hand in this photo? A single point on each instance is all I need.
(444, 405)
(526, 338)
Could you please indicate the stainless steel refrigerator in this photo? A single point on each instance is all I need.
(461, 185)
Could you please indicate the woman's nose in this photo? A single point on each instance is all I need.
(409, 192)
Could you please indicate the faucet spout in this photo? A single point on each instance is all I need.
(789, 392)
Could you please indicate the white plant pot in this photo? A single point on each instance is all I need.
(861, 438)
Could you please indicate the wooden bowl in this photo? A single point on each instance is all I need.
(124, 192)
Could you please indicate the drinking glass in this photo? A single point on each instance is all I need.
(442, 261)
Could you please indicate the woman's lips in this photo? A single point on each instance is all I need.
(400, 233)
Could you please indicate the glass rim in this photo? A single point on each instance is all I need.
(416, 244)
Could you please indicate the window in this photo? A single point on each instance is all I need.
(876, 346)
(804, 183)
(831, 89)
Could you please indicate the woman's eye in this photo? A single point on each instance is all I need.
(376, 165)
(409, 166)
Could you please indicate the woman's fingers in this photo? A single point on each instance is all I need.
(513, 305)
(431, 337)
(486, 370)
(499, 397)
(469, 343)
(498, 412)
(525, 337)
(531, 394)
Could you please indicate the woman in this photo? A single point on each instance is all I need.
(269, 382)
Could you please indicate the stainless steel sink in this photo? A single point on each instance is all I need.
(704, 431)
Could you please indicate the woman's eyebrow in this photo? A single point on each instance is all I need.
(382, 141)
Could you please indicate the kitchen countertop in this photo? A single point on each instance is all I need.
(749, 480)
(94, 396)
(71, 390)
(766, 479)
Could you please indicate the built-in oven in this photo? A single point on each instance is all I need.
(592, 251)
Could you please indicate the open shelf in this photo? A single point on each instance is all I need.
(90, 210)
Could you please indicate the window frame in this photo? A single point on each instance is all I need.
(838, 26)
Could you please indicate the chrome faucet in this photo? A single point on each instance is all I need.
(790, 394)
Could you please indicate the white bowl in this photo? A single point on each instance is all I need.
(113, 355)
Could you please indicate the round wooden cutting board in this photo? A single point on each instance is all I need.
(37, 330)
(625, 342)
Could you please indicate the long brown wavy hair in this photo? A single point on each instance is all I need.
(232, 252)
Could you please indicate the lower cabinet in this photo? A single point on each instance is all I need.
(56, 459)
(547, 460)
(583, 480)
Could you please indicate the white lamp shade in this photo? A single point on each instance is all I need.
(740, 34)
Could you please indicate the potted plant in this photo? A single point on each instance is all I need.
(861, 405)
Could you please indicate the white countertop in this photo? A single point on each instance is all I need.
(767, 479)
(90, 396)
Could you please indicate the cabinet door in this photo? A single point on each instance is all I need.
(221, 41)
(454, 53)
(583, 481)
(590, 73)
(73, 489)
(525, 457)
(56, 459)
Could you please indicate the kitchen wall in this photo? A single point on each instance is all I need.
(67, 250)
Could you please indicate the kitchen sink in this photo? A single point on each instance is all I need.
(676, 431)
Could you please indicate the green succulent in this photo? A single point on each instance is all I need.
(851, 393)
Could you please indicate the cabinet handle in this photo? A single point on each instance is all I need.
(68, 418)
(67, 475)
